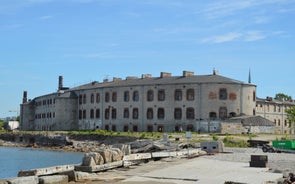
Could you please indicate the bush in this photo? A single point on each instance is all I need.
(230, 142)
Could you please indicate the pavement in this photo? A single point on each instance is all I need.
(202, 170)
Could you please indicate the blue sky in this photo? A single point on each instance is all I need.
(89, 40)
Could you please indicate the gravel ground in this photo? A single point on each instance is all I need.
(277, 162)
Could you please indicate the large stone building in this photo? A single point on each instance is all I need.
(166, 103)
(274, 110)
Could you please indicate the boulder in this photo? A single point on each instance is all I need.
(92, 158)
(117, 154)
(106, 155)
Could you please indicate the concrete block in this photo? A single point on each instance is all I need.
(138, 156)
(71, 175)
(213, 146)
(164, 154)
(47, 171)
(24, 180)
(55, 179)
(98, 168)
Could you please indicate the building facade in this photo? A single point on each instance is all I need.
(274, 110)
(165, 103)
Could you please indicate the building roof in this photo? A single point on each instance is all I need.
(274, 101)
(253, 121)
(133, 81)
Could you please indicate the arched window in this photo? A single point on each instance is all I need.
(212, 115)
(107, 97)
(92, 98)
(190, 94)
(84, 99)
(107, 113)
(150, 95)
(126, 113)
(97, 113)
(114, 96)
(161, 95)
(114, 113)
(126, 96)
(178, 95)
(222, 112)
(135, 113)
(161, 113)
(80, 99)
(222, 94)
(149, 113)
(177, 113)
(97, 98)
(190, 113)
(91, 113)
(135, 96)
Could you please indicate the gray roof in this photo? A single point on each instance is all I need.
(197, 79)
(253, 121)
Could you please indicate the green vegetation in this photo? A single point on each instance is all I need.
(231, 142)
(283, 97)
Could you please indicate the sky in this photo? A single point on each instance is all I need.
(90, 40)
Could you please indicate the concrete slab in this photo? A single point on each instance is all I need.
(47, 170)
(98, 168)
(203, 170)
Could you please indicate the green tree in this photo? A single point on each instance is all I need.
(291, 116)
(1, 124)
(283, 97)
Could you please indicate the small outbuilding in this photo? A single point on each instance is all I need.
(248, 124)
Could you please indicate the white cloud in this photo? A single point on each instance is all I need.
(251, 36)
(231, 7)
(45, 17)
(261, 20)
(12, 26)
(223, 38)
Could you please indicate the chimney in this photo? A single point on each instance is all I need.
(165, 74)
(25, 99)
(60, 83)
(143, 76)
(116, 79)
(215, 72)
(187, 73)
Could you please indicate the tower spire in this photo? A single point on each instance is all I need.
(249, 77)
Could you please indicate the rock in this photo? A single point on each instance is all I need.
(107, 155)
(88, 161)
(92, 158)
(125, 148)
(117, 154)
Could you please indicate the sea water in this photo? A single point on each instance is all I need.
(13, 160)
